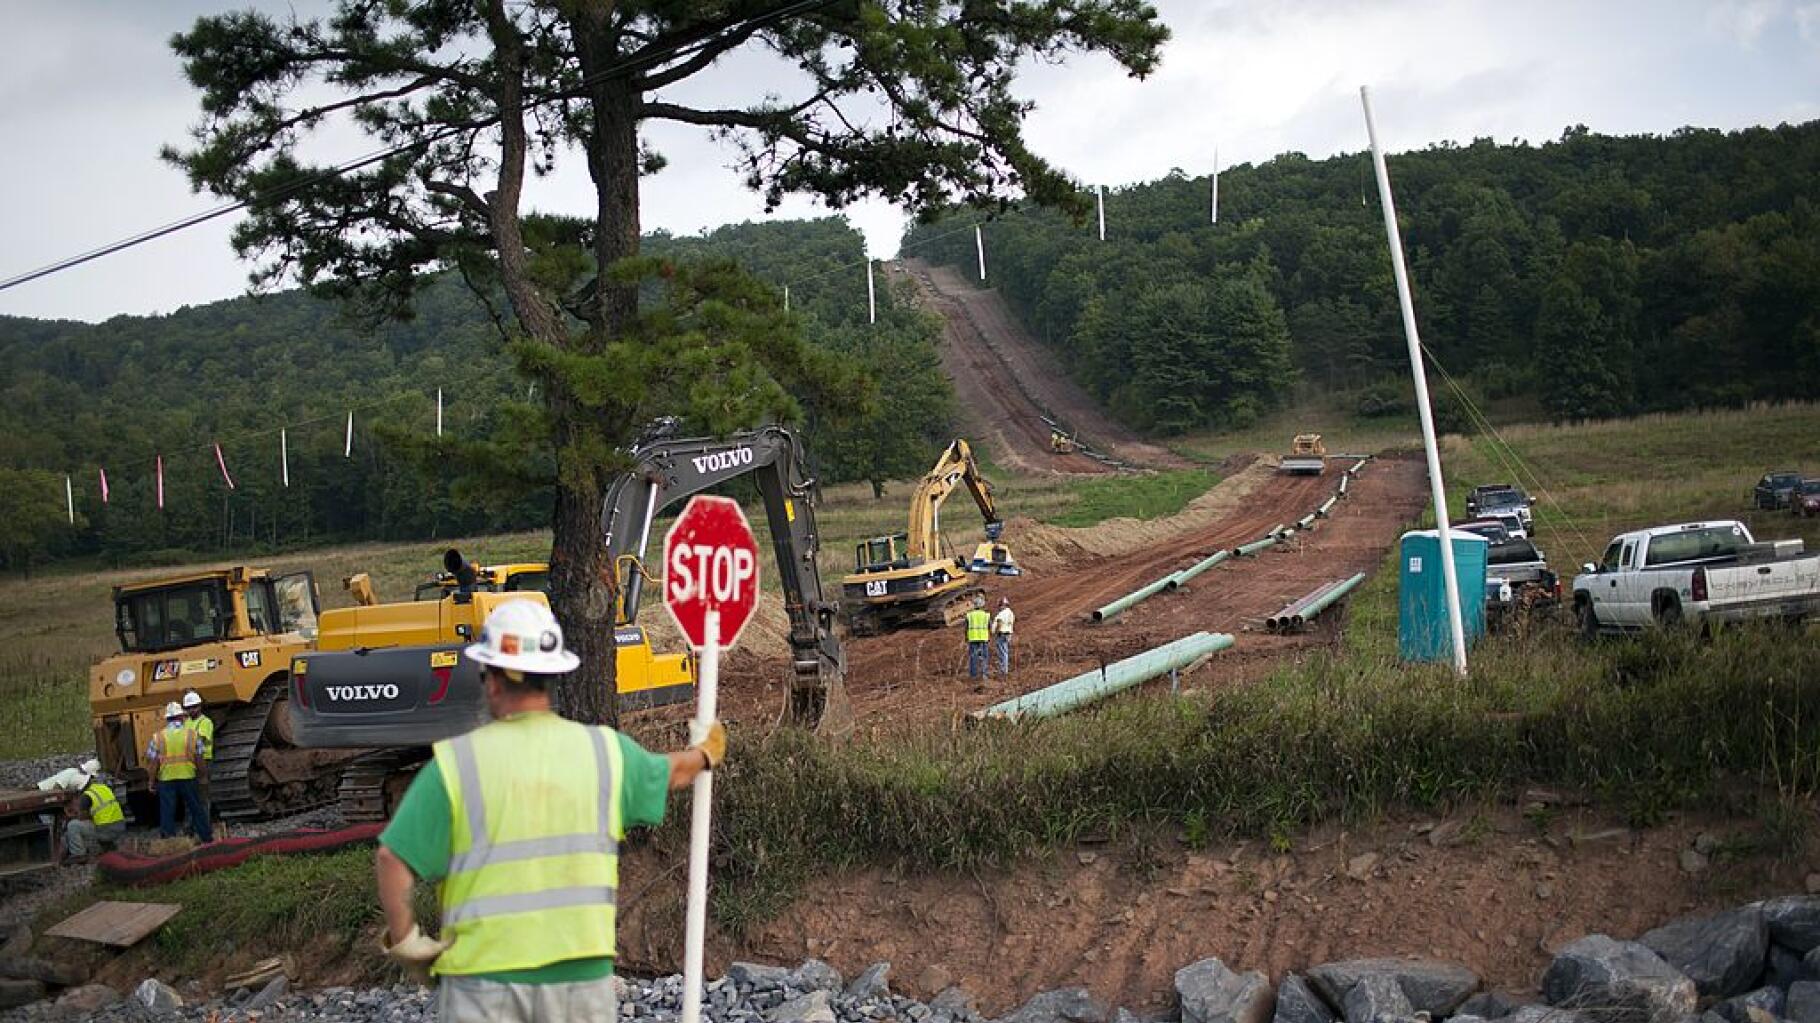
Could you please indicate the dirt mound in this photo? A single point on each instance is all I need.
(1044, 547)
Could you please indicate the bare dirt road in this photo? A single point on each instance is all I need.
(1009, 388)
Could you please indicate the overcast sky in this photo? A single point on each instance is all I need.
(90, 91)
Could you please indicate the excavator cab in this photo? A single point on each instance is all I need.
(881, 553)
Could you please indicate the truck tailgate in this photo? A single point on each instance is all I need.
(1764, 583)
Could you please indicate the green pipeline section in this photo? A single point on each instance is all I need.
(1113, 678)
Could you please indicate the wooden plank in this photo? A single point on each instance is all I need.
(120, 924)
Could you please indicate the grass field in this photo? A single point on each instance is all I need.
(55, 623)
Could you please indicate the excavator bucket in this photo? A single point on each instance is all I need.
(993, 559)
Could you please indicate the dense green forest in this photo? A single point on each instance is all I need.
(78, 398)
(1598, 275)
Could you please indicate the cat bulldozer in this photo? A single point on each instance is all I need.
(397, 698)
(229, 634)
(904, 579)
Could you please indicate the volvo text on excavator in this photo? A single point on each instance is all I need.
(904, 578)
(397, 700)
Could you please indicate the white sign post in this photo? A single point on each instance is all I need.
(710, 571)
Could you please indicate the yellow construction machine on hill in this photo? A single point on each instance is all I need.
(904, 578)
(230, 635)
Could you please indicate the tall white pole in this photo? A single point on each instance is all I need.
(439, 412)
(1215, 199)
(284, 456)
(979, 246)
(1099, 192)
(1437, 488)
(786, 298)
(696, 927)
(347, 446)
(69, 497)
(871, 296)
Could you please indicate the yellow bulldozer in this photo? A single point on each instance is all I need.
(230, 635)
(903, 578)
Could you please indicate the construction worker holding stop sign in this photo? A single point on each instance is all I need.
(520, 821)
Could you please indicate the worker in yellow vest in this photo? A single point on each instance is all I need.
(96, 819)
(979, 633)
(172, 758)
(519, 822)
(205, 739)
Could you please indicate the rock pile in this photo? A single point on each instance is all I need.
(1756, 964)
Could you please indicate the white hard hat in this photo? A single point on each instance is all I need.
(191, 699)
(522, 635)
(172, 710)
(90, 767)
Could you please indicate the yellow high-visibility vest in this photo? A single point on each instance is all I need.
(175, 749)
(535, 827)
(979, 626)
(103, 808)
(205, 735)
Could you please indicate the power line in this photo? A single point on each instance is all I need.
(284, 191)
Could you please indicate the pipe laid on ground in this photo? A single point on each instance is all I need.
(1326, 507)
(1083, 689)
(1125, 602)
(1343, 481)
(1306, 522)
(1277, 530)
(1280, 620)
(1358, 467)
(1247, 550)
(1325, 601)
(1181, 578)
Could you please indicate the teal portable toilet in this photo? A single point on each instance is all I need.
(1422, 632)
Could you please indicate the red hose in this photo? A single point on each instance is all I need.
(132, 868)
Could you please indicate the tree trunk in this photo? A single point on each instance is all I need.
(582, 580)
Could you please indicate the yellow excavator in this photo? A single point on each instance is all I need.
(904, 578)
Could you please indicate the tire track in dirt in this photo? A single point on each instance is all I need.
(1005, 380)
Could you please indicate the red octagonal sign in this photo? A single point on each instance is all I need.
(711, 564)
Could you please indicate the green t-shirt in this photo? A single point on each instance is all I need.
(419, 835)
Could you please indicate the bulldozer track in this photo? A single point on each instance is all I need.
(237, 748)
(363, 794)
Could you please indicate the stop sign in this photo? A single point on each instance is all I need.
(711, 564)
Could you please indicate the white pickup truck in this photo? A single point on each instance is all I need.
(1694, 573)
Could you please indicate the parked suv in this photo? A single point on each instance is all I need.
(1775, 489)
(1805, 501)
(1487, 501)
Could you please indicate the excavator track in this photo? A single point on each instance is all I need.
(372, 783)
(250, 780)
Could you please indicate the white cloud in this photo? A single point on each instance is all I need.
(88, 97)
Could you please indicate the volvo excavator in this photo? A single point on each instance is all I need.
(396, 701)
(904, 578)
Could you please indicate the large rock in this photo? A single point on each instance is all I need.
(1433, 986)
(1489, 1005)
(1723, 955)
(1546, 1014)
(1803, 1002)
(1212, 993)
(1782, 967)
(269, 994)
(52, 973)
(1377, 998)
(14, 993)
(873, 983)
(1770, 1000)
(1794, 921)
(157, 996)
(86, 1000)
(810, 1008)
(1297, 1003)
(1623, 979)
(757, 976)
(955, 1001)
(1065, 1005)
(815, 975)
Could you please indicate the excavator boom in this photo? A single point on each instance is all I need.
(669, 469)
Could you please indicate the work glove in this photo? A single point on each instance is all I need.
(711, 740)
(416, 952)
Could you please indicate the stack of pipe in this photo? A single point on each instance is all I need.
(1297, 614)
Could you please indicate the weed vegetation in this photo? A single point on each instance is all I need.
(1152, 496)
(1645, 725)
